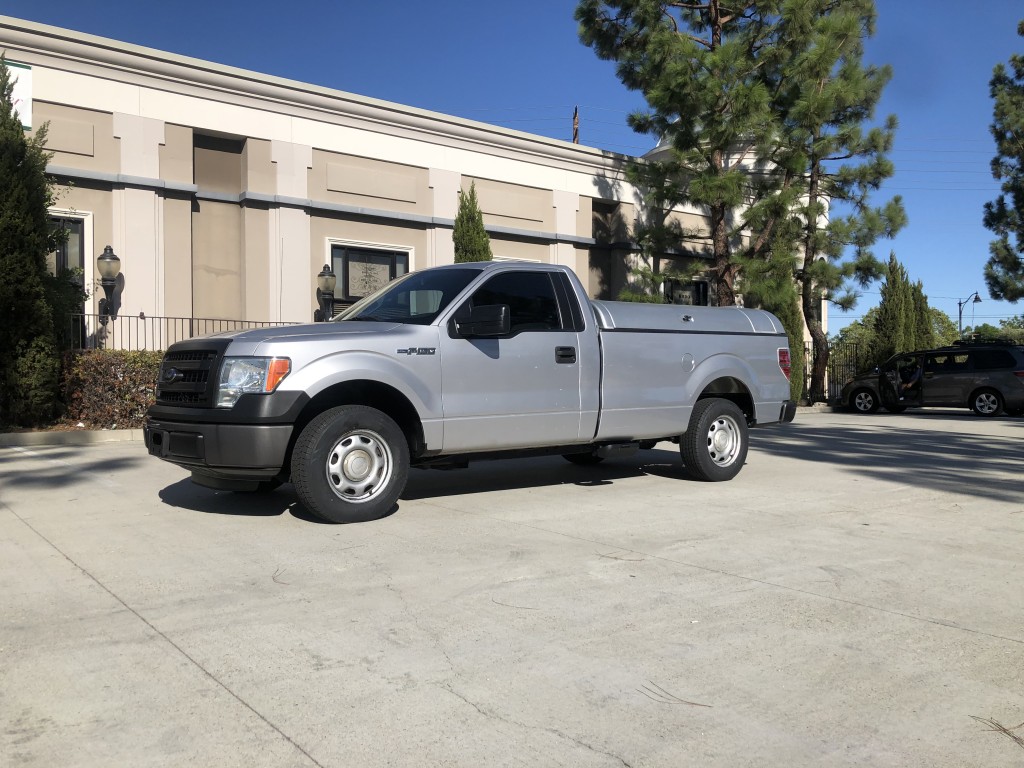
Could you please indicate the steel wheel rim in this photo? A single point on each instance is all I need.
(724, 441)
(863, 401)
(359, 466)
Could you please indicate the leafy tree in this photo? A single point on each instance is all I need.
(944, 330)
(822, 98)
(983, 331)
(471, 240)
(1004, 272)
(697, 65)
(29, 358)
(1013, 323)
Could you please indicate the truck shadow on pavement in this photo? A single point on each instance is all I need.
(185, 494)
(967, 457)
(481, 477)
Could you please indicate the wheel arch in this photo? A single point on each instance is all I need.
(374, 394)
(732, 389)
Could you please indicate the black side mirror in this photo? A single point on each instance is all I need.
(488, 320)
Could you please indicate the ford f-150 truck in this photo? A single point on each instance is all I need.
(468, 361)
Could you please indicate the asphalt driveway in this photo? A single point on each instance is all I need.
(853, 598)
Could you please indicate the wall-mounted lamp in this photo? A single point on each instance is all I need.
(326, 282)
(960, 313)
(109, 267)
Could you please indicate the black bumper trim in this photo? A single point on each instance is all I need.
(244, 451)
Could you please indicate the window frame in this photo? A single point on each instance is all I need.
(338, 251)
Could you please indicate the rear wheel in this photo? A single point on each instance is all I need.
(350, 464)
(714, 446)
(987, 402)
(864, 401)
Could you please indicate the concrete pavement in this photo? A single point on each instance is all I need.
(852, 598)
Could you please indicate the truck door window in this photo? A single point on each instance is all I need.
(530, 297)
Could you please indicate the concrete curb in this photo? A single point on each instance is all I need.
(77, 437)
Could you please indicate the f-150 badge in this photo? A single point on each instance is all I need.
(417, 351)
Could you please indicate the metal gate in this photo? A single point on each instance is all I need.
(845, 360)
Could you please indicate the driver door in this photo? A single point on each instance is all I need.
(519, 390)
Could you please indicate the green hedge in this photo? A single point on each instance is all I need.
(109, 389)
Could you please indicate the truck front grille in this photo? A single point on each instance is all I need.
(188, 374)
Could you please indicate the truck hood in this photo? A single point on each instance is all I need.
(308, 331)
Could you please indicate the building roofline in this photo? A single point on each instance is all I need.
(46, 40)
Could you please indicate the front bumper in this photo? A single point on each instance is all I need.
(228, 451)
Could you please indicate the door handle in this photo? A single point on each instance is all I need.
(565, 355)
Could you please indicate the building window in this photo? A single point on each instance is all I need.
(361, 271)
(69, 253)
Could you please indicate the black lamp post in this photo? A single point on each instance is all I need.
(326, 282)
(960, 312)
(109, 267)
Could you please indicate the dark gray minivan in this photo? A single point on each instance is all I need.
(988, 378)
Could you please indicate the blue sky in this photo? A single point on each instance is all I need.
(521, 65)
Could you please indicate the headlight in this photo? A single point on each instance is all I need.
(242, 375)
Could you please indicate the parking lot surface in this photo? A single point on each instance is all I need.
(853, 598)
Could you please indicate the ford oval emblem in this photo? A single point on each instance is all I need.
(172, 375)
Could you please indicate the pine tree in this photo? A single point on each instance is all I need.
(29, 359)
(1004, 272)
(471, 240)
(697, 65)
(828, 163)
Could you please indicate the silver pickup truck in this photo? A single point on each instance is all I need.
(469, 361)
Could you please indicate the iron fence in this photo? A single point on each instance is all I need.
(845, 360)
(139, 333)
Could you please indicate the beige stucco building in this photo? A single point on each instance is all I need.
(224, 191)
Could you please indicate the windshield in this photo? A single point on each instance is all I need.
(416, 298)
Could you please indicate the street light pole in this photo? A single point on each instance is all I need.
(960, 313)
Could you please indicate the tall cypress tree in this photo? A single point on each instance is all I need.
(29, 362)
(893, 323)
(1004, 272)
(924, 328)
(469, 235)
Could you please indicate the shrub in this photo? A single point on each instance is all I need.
(109, 389)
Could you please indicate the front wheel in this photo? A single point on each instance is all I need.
(987, 402)
(714, 446)
(350, 464)
(864, 401)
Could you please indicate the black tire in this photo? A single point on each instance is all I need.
(864, 401)
(987, 402)
(583, 459)
(350, 464)
(714, 447)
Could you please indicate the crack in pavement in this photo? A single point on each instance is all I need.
(219, 683)
(554, 731)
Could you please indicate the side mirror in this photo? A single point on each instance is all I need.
(488, 320)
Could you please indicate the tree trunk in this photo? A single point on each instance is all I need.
(724, 269)
(811, 298)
